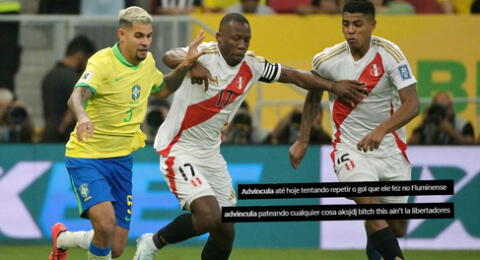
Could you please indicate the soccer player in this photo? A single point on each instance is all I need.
(110, 102)
(189, 139)
(368, 138)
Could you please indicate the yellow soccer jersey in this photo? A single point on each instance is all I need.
(118, 104)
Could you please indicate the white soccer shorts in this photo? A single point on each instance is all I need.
(189, 178)
(352, 165)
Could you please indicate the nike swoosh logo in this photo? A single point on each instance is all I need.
(118, 79)
(127, 219)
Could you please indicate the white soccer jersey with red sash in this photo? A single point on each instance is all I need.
(196, 117)
(385, 70)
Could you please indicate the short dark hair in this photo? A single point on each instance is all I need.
(359, 6)
(236, 17)
(80, 44)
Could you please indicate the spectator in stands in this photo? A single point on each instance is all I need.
(441, 126)
(217, 6)
(432, 6)
(57, 85)
(15, 123)
(250, 7)
(317, 134)
(59, 7)
(392, 7)
(240, 130)
(475, 9)
(287, 6)
(9, 45)
(462, 6)
(157, 111)
(318, 7)
(175, 7)
(286, 131)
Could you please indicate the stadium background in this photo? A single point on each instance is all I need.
(443, 52)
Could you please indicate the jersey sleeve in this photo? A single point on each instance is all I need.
(318, 66)
(158, 81)
(399, 69)
(93, 77)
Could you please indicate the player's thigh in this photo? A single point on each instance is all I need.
(185, 179)
(220, 181)
(394, 168)
(352, 166)
(118, 172)
(88, 183)
(102, 217)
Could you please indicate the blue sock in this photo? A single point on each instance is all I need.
(99, 251)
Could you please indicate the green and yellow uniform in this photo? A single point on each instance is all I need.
(118, 104)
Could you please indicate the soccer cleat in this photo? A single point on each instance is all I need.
(57, 253)
(144, 251)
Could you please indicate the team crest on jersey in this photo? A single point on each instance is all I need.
(375, 70)
(136, 92)
(404, 72)
(84, 192)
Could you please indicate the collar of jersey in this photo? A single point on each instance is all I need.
(119, 56)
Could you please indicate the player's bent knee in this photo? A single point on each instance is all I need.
(105, 228)
(209, 222)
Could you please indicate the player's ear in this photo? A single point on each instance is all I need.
(218, 36)
(121, 34)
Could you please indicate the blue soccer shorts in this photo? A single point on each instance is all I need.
(98, 180)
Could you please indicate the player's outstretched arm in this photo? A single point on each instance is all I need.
(349, 91)
(174, 79)
(76, 102)
(198, 73)
(311, 107)
(405, 113)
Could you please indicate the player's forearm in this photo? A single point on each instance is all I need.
(405, 113)
(76, 102)
(175, 78)
(174, 57)
(311, 107)
(304, 79)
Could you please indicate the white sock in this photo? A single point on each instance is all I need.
(91, 256)
(70, 239)
(151, 244)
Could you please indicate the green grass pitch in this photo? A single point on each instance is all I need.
(32, 252)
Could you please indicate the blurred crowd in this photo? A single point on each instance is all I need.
(173, 7)
(440, 124)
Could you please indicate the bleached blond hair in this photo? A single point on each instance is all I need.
(133, 14)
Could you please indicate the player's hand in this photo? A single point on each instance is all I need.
(297, 151)
(350, 91)
(199, 74)
(193, 52)
(84, 129)
(371, 141)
